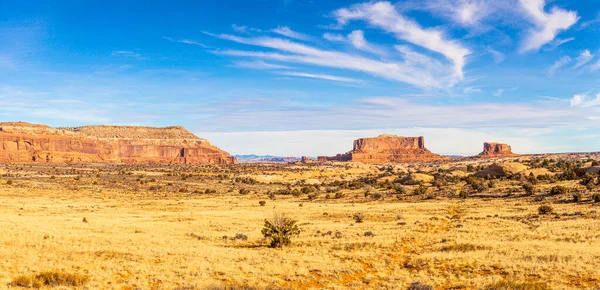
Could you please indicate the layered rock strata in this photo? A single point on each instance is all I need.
(24, 142)
(386, 149)
(496, 150)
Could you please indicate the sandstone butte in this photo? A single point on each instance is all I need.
(496, 150)
(387, 148)
(22, 142)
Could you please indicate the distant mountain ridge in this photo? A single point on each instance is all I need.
(253, 158)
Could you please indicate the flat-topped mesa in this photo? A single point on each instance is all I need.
(23, 142)
(496, 150)
(387, 148)
(134, 132)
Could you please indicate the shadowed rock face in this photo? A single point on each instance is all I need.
(496, 150)
(24, 142)
(385, 149)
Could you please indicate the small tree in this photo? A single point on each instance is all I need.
(280, 230)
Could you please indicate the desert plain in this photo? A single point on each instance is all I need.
(527, 222)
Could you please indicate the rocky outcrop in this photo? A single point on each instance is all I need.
(24, 142)
(306, 160)
(496, 150)
(387, 149)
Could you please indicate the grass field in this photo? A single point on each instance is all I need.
(147, 228)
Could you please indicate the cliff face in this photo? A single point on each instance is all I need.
(386, 149)
(496, 150)
(24, 142)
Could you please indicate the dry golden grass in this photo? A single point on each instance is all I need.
(166, 239)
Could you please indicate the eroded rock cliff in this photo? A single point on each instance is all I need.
(385, 149)
(24, 142)
(496, 150)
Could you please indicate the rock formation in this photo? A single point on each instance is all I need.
(496, 150)
(306, 160)
(25, 142)
(385, 149)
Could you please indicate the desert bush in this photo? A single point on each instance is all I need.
(577, 196)
(358, 217)
(240, 236)
(528, 187)
(545, 209)
(280, 230)
(338, 195)
(512, 285)
(369, 234)
(244, 191)
(9, 182)
(596, 197)
(559, 189)
(422, 189)
(262, 203)
(463, 194)
(419, 286)
(50, 278)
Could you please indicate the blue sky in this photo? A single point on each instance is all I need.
(299, 77)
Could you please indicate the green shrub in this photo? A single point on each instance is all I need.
(596, 197)
(262, 203)
(528, 187)
(280, 230)
(559, 189)
(577, 196)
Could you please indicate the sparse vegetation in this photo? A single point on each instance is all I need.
(280, 230)
(50, 278)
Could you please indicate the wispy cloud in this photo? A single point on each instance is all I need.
(286, 31)
(498, 56)
(244, 29)
(547, 25)
(466, 13)
(186, 41)
(472, 89)
(563, 61)
(583, 58)
(417, 70)
(558, 42)
(334, 37)
(259, 64)
(383, 15)
(127, 53)
(500, 92)
(320, 76)
(591, 22)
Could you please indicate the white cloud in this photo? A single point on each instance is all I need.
(547, 25)
(558, 64)
(259, 64)
(286, 31)
(467, 13)
(334, 37)
(385, 16)
(127, 53)
(239, 28)
(320, 76)
(583, 58)
(357, 39)
(582, 100)
(417, 70)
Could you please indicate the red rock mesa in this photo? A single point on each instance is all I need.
(25, 142)
(385, 149)
(496, 150)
